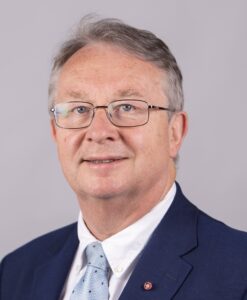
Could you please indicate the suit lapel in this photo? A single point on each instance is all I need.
(50, 277)
(161, 262)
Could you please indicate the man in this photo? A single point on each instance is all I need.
(116, 105)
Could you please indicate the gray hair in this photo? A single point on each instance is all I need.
(141, 43)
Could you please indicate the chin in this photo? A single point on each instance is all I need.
(99, 192)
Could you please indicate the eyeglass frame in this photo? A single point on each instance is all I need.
(106, 108)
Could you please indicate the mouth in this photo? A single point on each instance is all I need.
(101, 161)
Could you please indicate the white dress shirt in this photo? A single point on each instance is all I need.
(121, 249)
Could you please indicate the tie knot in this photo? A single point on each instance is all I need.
(96, 257)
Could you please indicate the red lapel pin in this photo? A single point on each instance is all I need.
(148, 286)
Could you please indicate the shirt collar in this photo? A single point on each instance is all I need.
(122, 248)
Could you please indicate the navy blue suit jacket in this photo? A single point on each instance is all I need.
(190, 256)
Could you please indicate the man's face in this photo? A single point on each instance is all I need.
(105, 161)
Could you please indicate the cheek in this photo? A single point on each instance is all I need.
(158, 144)
(150, 144)
(68, 143)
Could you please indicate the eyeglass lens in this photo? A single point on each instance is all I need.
(123, 113)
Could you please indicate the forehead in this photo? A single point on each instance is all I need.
(104, 68)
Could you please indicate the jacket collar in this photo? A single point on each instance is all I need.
(161, 262)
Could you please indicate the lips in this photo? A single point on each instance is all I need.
(102, 160)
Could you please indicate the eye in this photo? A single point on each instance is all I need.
(126, 107)
(80, 109)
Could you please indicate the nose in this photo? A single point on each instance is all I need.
(101, 129)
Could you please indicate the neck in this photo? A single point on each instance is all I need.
(106, 217)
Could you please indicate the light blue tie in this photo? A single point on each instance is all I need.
(94, 284)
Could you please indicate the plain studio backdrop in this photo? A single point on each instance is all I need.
(209, 40)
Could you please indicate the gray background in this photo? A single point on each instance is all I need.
(209, 39)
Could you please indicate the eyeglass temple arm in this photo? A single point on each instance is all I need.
(161, 108)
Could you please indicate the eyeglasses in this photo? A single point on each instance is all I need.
(121, 113)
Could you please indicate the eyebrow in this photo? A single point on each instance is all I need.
(122, 93)
(78, 95)
(128, 93)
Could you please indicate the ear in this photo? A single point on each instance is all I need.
(53, 130)
(178, 127)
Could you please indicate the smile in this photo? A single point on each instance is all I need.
(102, 161)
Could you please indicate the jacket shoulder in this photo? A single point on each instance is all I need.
(222, 246)
(49, 242)
(216, 230)
(21, 265)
